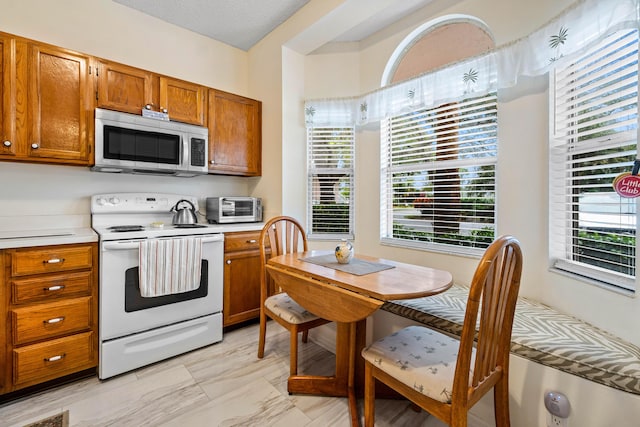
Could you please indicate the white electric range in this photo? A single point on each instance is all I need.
(135, 330)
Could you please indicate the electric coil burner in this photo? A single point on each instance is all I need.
(136, 330)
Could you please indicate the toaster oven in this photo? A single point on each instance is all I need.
(226, 210)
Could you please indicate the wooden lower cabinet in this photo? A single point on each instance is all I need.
(242, 270)
(49, 298)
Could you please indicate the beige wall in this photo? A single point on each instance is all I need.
(109, 30)
(522, 169)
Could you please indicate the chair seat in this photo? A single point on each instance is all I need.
(283, 306)
(421, 358)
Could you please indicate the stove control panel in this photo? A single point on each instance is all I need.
(137, 202)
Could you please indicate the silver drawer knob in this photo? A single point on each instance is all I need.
(7, 143)
(35, 146)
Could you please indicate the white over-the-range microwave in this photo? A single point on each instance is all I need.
(135, 144)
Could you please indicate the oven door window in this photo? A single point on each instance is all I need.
(133, 301)
(141, 146)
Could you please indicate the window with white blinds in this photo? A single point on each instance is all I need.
(330, 193)
(438, 176)
(594, 107)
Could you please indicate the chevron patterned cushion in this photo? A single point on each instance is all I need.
(540, 334)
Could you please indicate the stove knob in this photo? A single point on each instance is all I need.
(114, 200)
(101, 201)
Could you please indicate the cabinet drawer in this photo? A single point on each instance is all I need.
(55, 358)
(50, 320)
(242, 241)
(52, 259)
(50, 287)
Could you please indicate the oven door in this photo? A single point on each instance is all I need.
(123, 311)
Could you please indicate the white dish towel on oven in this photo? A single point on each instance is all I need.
(169, 266)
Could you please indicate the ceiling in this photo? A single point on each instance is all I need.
(243, 23)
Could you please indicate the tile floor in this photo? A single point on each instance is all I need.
(224, 384)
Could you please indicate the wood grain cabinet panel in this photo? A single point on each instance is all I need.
(235, 134)
(50, 320)
(47, 104)
(242, 268)
(124, 88)
(48, 296)
(59, 106)
(8, 142)
(52, 259)
(185, 102)
(52, 359)
(52, 286)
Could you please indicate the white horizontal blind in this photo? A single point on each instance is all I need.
(330, 195)
(438, 176)
(594, 139)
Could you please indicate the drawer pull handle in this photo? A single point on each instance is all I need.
(252, 241)
(55, 358)
(54, 320)
(54, 288)
(53, 261)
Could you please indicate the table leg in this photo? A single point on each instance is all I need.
(347, 381)
(336, 385)
(353, 402)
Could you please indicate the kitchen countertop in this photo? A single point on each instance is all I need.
(45, 237)
(17, 238)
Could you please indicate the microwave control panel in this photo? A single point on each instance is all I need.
(198, 155)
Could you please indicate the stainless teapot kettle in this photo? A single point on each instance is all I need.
(184, 215)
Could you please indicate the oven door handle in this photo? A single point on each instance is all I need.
(125, 245)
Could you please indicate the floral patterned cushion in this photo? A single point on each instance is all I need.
(421, 358)
(286, 308)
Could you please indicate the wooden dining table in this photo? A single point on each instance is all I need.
(347, 294)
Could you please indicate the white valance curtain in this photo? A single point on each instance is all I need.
(580, 26)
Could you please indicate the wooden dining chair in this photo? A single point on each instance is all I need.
(446, 376)
(282, 235)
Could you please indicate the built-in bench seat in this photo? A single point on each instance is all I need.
(540, 334)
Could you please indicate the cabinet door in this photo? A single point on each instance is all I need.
(124, 88)
(241, 287)
(59, 105)
(185, 102)
(8, 142)
(235, 134)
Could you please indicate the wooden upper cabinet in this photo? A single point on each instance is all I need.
(124, 88)
(235, 134)
(185, 102)
(59, 105)
(46, 113)
(129, 89)
(8, 141)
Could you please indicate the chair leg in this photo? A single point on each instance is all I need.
(293, 350)
(263, 332)
(369, 396)
(501, 402)
(305, 336)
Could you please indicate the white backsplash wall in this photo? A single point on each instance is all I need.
(52, 190)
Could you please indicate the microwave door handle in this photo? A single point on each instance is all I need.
(185, 160)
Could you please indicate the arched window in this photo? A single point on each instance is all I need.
(438, 162)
